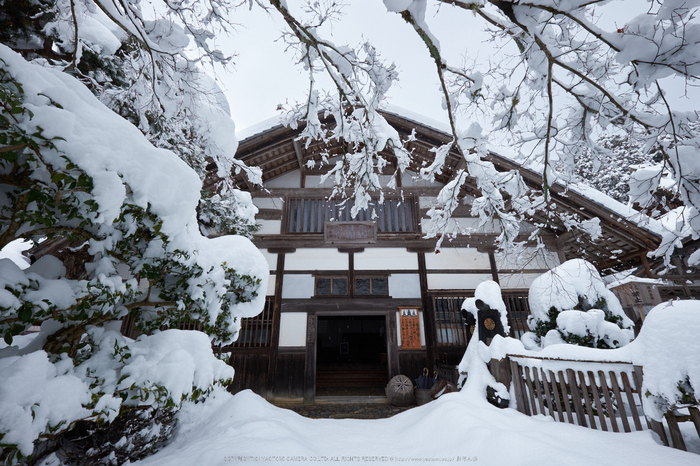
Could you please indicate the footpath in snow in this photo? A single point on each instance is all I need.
(456, 429)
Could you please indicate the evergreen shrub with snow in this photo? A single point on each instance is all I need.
(668, 348)
(571, 304)
(72, 168)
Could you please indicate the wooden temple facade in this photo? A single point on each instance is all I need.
(357, 301)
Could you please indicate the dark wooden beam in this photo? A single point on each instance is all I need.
(275, 336)
(310, 361)
(494, 267)
(281, 250)
(300, 161)
(428, 313)
(398, 240)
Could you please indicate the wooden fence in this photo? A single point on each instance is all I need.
(594, 394)
(600, 395)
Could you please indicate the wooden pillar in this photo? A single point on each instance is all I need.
(678, 262)
(428, 313)
(392, 348)
(645, 263)
(275, 336)
(351, 274)
(494, 268)
(561, 254)
(310, 361)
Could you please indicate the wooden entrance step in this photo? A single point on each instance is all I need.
(351, 378)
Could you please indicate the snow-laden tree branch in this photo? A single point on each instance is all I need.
(361, 82)
(562, 82)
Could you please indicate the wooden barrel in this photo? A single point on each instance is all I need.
(423, 396)
(399, 391)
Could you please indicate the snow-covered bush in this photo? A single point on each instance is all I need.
(668, 348)
(70, 167)
(145, 68)
(571, 304)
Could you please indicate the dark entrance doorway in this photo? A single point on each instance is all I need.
(351, 355)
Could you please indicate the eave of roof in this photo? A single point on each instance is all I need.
(587, 192)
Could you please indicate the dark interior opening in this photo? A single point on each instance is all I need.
(351, 352)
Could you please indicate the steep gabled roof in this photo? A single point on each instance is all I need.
(623, 243)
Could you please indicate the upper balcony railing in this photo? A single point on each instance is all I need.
(391, 216)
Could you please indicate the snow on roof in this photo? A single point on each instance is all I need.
(258, 128)
(624, 211)
(634, 279)
(617, 208)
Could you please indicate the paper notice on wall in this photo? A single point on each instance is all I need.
(410, 328)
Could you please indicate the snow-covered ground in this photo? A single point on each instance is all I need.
(245, 429)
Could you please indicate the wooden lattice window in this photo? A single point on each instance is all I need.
(331, 286)
(310, 215)
(371, 286)
(187, 324)
(518, 311)
(256, 332)
(449, 323)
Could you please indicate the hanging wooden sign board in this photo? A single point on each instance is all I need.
(410, 328)
(350, 232)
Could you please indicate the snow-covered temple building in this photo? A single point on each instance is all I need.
(357, 301)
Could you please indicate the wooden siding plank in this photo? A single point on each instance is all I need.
(587, 399)
(519, 388)
(538, 390)
(596, 398)
(608, 401)
(547, 393)
(638, 375)
(557, 401)
(620, 402)
(630, 399)
(576, 397)
(674, 430)
(531, 390)
(695, 416)
(565, 397)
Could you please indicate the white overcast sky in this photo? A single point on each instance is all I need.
(264, 75)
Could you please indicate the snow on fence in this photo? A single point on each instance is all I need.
(599, 395)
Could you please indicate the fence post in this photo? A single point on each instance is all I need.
(519, 387)
(655, 426)
(500, 370)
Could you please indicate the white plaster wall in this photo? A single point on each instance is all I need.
(466, 224)
(288, 180)
(527, 227)
(456, 281)
(426, 202)
(531, 258)
(292, 329)
(270, 258)
(516, 280)
(398, 329)
(271, 286)
(269, 227)
(298, 287)
(457, 258)
(386, 259)
(410, 179)
(314, 181)
(404, 285)
(316, 259)
(274, 203)
(422, 329)
(384, 180)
